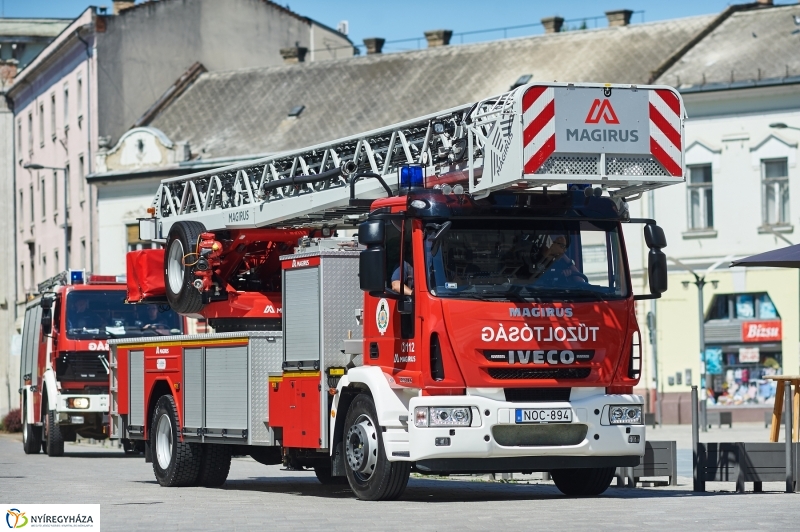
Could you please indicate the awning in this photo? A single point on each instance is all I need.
(788, 257)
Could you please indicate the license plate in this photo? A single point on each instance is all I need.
(544, 415)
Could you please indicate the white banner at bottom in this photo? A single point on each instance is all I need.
(52, 516)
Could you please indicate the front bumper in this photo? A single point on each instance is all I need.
(601, 439)
(98, 405)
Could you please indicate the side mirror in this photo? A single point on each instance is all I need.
(47, 303)
(654, 237)
(657, 271)
(371, 233)
(372, 269)
(47, 320)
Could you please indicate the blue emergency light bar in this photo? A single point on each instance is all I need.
(411, 176)
(76, 277)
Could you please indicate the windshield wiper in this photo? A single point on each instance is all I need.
(565, 292)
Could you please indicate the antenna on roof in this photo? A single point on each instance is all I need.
(343, 27)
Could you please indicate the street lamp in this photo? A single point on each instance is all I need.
(781, 125)
(34, 166)
(700, 283)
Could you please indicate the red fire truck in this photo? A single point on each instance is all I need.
(64, 363)
(482, 320)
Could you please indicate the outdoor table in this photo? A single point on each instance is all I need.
(794, 380)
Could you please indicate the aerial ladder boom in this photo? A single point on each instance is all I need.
(624, 139)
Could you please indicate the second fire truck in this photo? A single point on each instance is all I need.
(481, 321)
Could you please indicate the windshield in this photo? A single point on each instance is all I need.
(95, 314)
(526, 259)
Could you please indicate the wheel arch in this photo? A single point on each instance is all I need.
(390, 405)
(160, 388)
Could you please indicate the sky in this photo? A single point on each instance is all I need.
(409, 19)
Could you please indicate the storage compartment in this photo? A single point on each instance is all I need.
(295, 407)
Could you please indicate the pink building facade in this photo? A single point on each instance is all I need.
(55, 113)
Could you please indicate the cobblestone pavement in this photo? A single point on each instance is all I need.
(262, 497)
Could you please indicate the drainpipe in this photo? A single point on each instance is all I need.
(90, 49)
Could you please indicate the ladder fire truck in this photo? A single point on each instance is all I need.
(64, 362)
(482, 320)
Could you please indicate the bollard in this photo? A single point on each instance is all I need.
(698, 471)
(787, 398)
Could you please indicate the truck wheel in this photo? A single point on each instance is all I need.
(371, 476)
(324, 477)
(31, 435)
(175, 463)
(583, 482)
(214, 465)
(183, 297)
(53, 439)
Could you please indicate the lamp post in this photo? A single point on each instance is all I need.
(781, 125)
(700, 283)
(34, 166)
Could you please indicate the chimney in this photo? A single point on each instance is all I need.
(374, 45)
(619, 17)
(552, 24)
(295, 54)
(122, 5)
(438, 37)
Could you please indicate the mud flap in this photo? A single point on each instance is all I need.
(337, 461)
(148, 453)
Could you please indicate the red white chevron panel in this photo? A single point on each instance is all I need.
(665, 130)
(539, 135)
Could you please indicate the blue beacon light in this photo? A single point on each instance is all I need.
(411, 176)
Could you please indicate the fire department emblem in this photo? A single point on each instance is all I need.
(382, 316)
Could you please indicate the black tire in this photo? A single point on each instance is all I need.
(54, 438)
(31, 434)
(583, 482)
(178, 463)
(214, 465)
(371, 478)
(324, 477)
(182, 296)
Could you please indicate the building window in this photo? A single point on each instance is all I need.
(41, 125)
(55, 192)
(53, 115)
(55, 261)
(134, 243)
(44, 197)
(44, 266)
(83, 253)
(30, 132)
(19, 136)
(66, 106)
(79, 101)
(701, 204)
(775, 191)
(67, 186)
(21, 213)
(81, 176)
(21, 278)
(31, 202)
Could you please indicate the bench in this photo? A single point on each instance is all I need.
(720, 418)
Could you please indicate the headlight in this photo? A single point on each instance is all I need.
(459, 416)
(78, 402)
(625, 415)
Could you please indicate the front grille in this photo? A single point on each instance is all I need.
(539, 435)
(537, 395)
(530, 373)
(82, 365)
